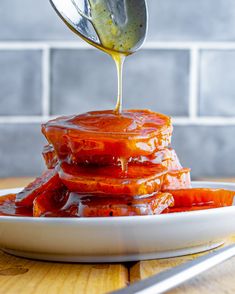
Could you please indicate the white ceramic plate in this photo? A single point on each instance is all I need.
(117, 239)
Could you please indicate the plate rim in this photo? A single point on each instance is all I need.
(123, 219)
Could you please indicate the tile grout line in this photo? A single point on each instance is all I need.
(181, 121)
(204, 121)
(46, 75)
(21, 119)
(193, 83)
(190, 45)
(34, 45)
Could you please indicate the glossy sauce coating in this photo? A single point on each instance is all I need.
(49, 156)
(8, 207)
(90, 206)
(50, 201)
(105, 164)
(167, 157)
(138, 180)
(104, 207)
(177, 179)
(103, 133)
(196, 197)
(48, 181)
(66, 204)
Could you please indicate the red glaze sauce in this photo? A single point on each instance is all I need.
(138, 180)
(64, 204)
(103, 133)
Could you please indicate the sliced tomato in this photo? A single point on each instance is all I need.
(202, 197)
(48, 181)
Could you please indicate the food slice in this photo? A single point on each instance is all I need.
(104, 133)
(49, 156)
(50, 201)
(89, 206)
(48, 181)
(8, 207)
(172, 161)
(137, 180)
(202, 197)
(177, 179)
(165, 156)
(105, 207)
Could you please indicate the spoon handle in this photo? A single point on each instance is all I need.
(169, 279)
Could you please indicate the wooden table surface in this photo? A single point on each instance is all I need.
(18, 275)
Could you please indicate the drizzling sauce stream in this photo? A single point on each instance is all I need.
(124, 164)
(119, 60)
(118, 32)
(121, 35)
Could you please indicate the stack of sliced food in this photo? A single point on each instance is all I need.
(103, 164)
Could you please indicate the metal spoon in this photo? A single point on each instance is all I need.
(171, 278)
(111, 25)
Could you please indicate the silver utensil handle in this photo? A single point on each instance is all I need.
(169, 279)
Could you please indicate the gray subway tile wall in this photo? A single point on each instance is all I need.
(191, 20)
(158, 79)
(169, 20)
(28, 20)
(186, 71)
(207, 150)
(217, 83)
(84, 80)
(20, 149)
(20, 82)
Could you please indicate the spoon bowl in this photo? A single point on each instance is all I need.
(110, 25)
